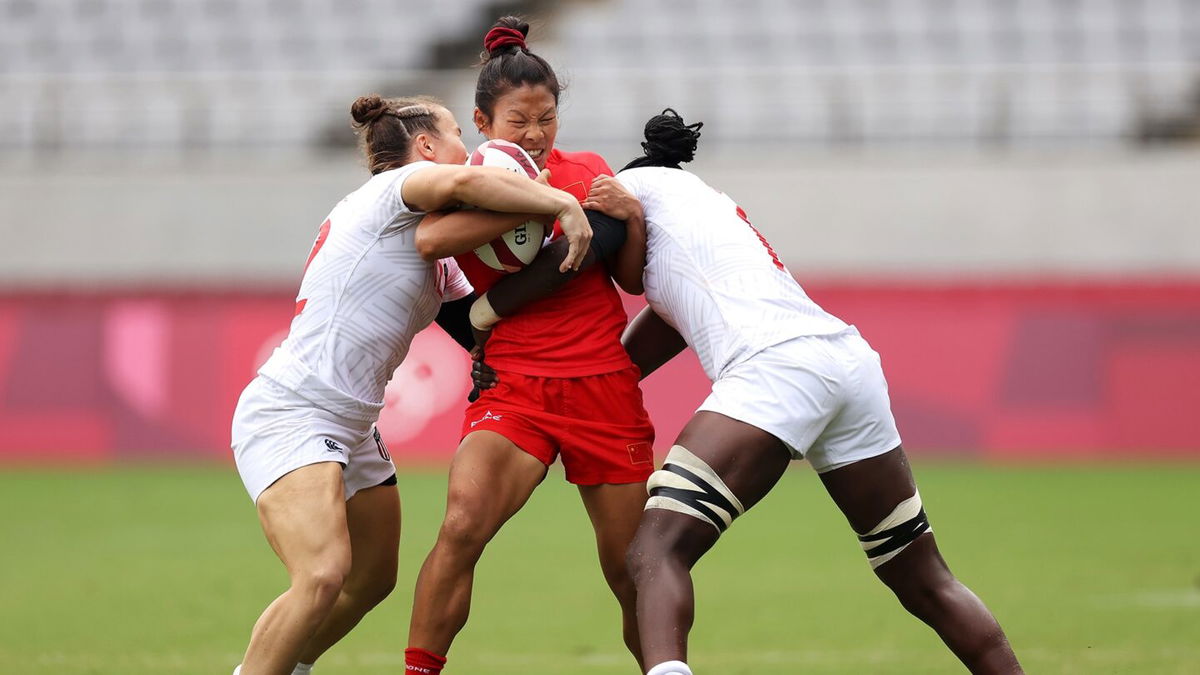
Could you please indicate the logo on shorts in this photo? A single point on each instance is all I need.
(382, 448)
(640, 453)
(486, 416)
(332, 446)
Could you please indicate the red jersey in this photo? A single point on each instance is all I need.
(575, 332)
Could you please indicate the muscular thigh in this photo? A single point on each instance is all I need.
(373, 519)
(303, 515)
(491, 478)
(748, 460)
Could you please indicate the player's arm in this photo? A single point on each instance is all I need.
(444, 234)
(454, 318)
(442, 186)
(651, 342)
(542, 278)
(607, 194)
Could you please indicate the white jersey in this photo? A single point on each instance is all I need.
(366, 292)
(712, 277)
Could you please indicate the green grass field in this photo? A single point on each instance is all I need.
(1090, 570)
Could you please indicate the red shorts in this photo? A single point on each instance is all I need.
(597, 423)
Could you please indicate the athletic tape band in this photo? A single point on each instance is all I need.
(482, 315)
(687, 485)
(891, 536)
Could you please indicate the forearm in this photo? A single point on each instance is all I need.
(540, 279)
(651, 341)
(445, 234)
(453, 318)
(501, 190)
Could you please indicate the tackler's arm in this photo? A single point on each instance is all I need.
(454, 318)
(443, 234)
(651, 342)
(541, 278)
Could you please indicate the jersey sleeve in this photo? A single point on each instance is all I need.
(406, 216)
(454, 283)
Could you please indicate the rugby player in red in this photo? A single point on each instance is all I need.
(567, 388)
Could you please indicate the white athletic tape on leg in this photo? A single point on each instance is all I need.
(687, 484)
(893, 534)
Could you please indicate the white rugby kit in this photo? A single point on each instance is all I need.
(776, 359)
(365, 294)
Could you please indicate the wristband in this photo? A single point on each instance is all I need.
(482, 316)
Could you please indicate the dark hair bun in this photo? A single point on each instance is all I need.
(509, 31)
(670, 142)
(367, 109)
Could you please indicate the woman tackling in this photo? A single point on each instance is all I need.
(303, 433)
(568, 388)
(790, 381)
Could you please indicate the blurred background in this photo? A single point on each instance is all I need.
(1002, 194)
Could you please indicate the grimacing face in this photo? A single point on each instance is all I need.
(527, 116)
(448, 145)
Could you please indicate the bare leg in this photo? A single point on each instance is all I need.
(304, 517)
(866, 492)
(750, 461)
(615, 511)
(490, 480)
(373, 516)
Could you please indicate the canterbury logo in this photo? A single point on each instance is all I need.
(332, 446)
(486, 416)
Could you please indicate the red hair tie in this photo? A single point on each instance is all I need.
(501, 36)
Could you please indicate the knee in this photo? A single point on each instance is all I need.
(928, 597)
(373, 589)
(464, 534)
(321, 583)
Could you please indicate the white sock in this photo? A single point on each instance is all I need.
(301, 669)
(670, 668)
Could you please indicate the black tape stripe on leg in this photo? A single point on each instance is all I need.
(697, 500)
(897, 537)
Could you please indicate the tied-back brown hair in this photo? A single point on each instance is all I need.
(386, 127)
(506, 63)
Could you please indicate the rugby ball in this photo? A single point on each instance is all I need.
(516, 248)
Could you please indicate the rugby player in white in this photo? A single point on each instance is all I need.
(790, 381)
(303, 433)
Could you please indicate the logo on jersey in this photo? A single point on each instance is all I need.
(486, 416)
(332, 446)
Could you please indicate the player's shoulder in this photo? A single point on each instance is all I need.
(572, 172)
(579, 160)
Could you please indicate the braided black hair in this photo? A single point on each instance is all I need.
(669, 142)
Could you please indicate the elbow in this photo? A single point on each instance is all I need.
(635, 288)
(428, 246)
(630, 283)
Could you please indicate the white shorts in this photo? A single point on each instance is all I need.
(276, 431)
(824, 396)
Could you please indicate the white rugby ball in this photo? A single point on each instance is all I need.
(516, 248)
